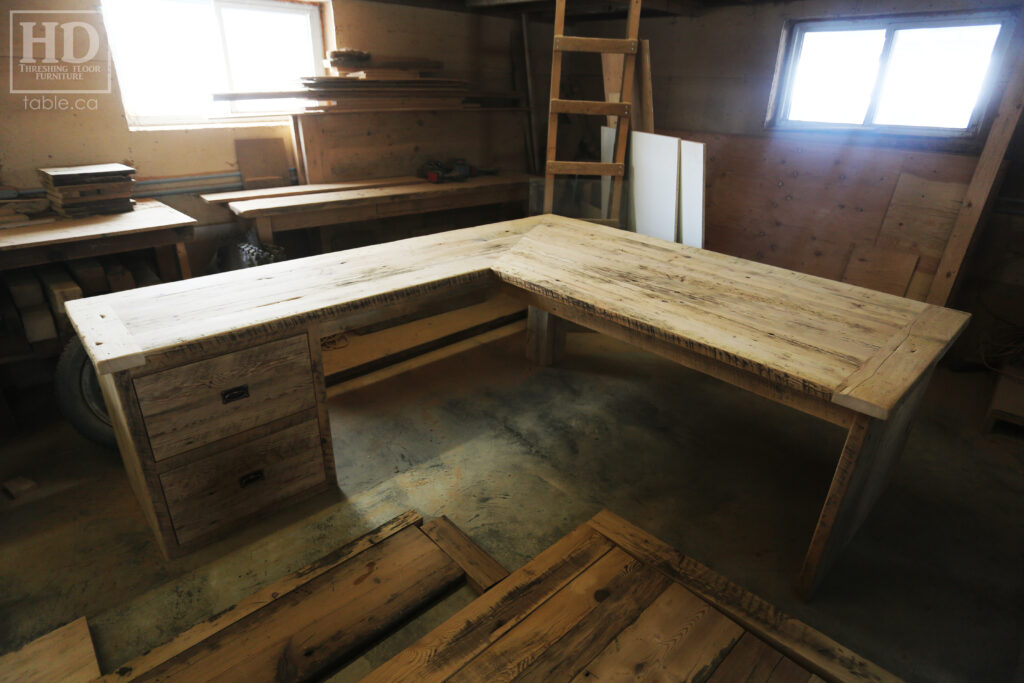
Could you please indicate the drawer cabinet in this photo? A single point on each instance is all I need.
(234, 433)
(198, 403)
(217, 491)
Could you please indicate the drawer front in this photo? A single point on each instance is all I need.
(202, 402)
(217, 491)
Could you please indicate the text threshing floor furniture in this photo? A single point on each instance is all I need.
(218, 398)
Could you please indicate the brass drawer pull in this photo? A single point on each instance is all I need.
(251, 478)
(234, 394)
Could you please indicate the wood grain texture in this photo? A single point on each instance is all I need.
(293, 190)
(255, 602)
(185, 407)
(824, 339)
(341, 146)
(299, 635)
(678, 637)
(880, 269)
(233, 484)
(451, 645)
(65, 654)
(482, 570)
(545, 337)
(808, 647)
(519, 648)
(639, 611)
(149, 214)
(378, 197)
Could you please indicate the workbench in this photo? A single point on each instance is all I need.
(214, 384)
(270, 214)
(152, 224)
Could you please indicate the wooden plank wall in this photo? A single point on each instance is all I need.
(806, 205)
(347, 146)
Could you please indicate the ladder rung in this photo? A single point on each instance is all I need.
(579, 44)
(590, 107)
(585, 168)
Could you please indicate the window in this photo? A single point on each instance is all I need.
(172, 56)
(912, 75)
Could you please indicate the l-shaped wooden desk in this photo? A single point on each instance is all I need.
(217, 395)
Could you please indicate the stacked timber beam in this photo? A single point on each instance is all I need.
(77, 191)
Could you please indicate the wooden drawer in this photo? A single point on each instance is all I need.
(202, 402)
(217, 491)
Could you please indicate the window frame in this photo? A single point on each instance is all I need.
(323, 39)
(792, 43)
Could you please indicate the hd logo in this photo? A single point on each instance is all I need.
(58, 52)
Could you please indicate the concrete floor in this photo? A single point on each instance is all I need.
(932, 588)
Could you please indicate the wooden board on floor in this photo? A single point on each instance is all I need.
(482, 571)
(65, 655)
(306, 623)
(610, 602)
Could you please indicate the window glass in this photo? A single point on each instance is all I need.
(935, 75)
(835, 76)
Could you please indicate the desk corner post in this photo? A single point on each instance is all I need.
(870, 454)
(545, 337)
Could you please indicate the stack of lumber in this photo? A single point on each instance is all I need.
(363, 91)
(32, 300)
(76, 191)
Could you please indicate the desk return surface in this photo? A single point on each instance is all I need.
(852, 356)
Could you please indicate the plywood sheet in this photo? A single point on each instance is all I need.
(884, 270)
(263, 162)
(654, 167)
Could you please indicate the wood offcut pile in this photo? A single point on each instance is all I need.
(76, 191)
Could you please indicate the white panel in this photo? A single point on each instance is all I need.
(607, 155)
(654, 167)
(691, 193)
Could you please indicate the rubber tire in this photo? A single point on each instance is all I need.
(79, 397)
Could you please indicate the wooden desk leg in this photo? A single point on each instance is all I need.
(264, 230)
(545, 337)
(172, 262)
(183, 263)
(869, 456)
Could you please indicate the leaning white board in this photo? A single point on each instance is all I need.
(691, 193)
(607, 155)
(654, 168)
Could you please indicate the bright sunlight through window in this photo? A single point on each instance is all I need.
(894, 75)
(172, 56)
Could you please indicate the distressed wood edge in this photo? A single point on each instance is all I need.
(812, 649)
(482, 571)
(112, 334)
(936, 326)
(141, 665)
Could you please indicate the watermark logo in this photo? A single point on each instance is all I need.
(58, 52)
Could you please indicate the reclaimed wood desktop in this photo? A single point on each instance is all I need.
(854, 357)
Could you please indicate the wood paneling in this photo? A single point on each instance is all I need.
(350, 146)
(805, 205)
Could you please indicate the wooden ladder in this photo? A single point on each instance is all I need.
(627, 46)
